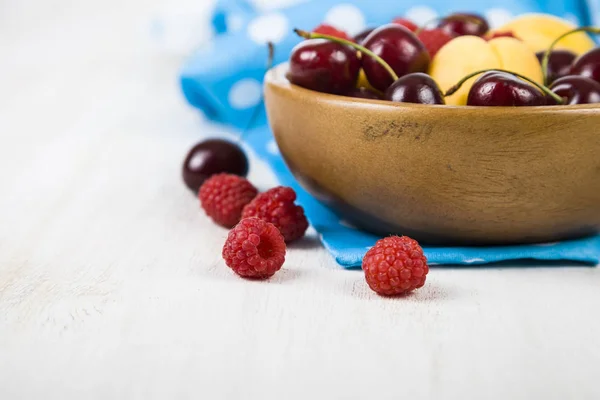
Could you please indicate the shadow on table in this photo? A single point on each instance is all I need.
(434, 290)
(220, 272)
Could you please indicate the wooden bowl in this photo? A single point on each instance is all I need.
(441, 174)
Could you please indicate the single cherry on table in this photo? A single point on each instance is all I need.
(559, 63)
(400, 48)
(324, 66)
(577, 89)
(462, 24)
(210, 157)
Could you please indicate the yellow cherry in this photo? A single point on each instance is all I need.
(467, 54)
(538, 31)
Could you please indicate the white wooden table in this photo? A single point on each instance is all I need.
(111, 280)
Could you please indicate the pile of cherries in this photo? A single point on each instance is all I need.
(575, 79)
(395, 58)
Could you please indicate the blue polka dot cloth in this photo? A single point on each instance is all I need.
(224, 80)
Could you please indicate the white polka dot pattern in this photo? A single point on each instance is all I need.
(346, 17)
(266, 28)
(245, 94)
(497, 17)
(272, 148)
(235, 22)
(421, 14)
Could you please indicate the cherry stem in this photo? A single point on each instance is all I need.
(362, 49)
(546, 59)
(440, 19)
(544, 89)
(259, 106)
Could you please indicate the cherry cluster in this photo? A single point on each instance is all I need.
(395, 58)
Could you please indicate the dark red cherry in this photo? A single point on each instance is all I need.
(324, 66)
(415, 88)
(400, 48)
(559, 63)
(210, 157)
(359, 38)
(587, 65)
(461, 24)
(505, 90)
(577, 89)
(363, 93)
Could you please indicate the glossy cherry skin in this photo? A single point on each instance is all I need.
(360, 37)
(577, 89)
(363, 93)
(400, 48)
(504, 90)
(415, 88)
(587, 65)
(324, 66)
(559, 63)
(461, 24)
(210, 157)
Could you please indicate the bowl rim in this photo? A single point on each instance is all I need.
(276, 76)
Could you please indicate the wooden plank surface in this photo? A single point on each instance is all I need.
(111, 281)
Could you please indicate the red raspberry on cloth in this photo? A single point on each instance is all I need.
(395, 265)
(223, 197)
(326, 29)
(407, 23)
(434, 40)
(277, 207)
(254, 249)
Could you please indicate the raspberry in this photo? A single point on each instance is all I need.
(223, 197)
(407, 23)
(277, 207)
(254, 249)
(395, 265)
(434, 39)
(501, 34)
(326, 29)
